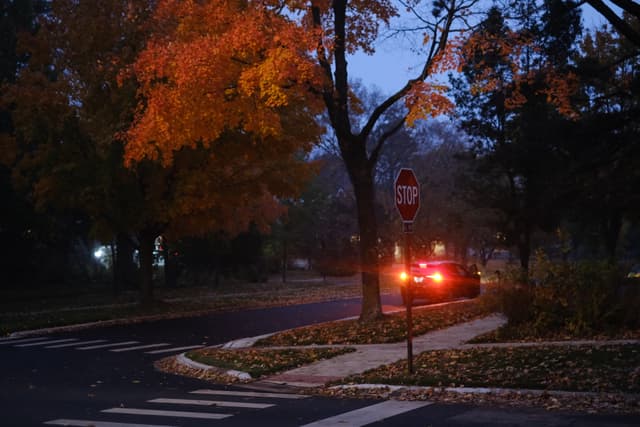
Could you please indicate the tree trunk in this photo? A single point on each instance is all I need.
(125, 271)
(114, 269)
(362, 180)
(147, 240)
(284, 260)
(170, 266)
(612, 224)
(524, 252)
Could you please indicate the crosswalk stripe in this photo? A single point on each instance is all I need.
(139, 347)
(369, 414)
(160, 413)
(33, 344)
(220, 403)
(90, 423)
(250, 394)
(73, 344)
(115, 344)
(176, 349)
(11, 341)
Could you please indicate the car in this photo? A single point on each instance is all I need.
(437, 281)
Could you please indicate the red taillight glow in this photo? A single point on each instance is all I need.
(437, 277)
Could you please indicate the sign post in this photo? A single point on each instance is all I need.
(407, 197)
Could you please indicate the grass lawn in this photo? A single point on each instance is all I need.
(606, 368)
(392, 328)
(529, 333)
(259, 362)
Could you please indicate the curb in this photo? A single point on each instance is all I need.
(105, 323)
(480, 390)
(185, 361)
(245, 342)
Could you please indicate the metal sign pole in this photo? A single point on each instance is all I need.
(406, 190)
(407, 266)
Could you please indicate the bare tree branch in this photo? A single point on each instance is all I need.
(618, 23)
(628, 6)
(375, 153)
(441, 29)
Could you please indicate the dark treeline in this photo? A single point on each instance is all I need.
(541, 151)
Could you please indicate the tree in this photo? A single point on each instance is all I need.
(515, 98)
(35, 245)
(351, 27)
(235, 65)
(603, 171)
(225, 117)
(66, 104)
(79, 79)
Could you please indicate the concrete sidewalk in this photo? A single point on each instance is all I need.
(371, 356)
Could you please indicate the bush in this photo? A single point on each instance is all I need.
(580, 298)
(516, 303)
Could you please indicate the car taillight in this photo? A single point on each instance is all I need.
(436, 277)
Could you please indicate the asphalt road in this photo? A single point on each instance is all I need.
(103, 377)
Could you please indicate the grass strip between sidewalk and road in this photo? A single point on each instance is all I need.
(591, 368)
(260, 362)
(391, 328)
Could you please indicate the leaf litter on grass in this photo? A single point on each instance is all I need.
(259, 362)
(391, 328)
(606, 368)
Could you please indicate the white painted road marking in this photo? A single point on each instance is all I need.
(88, 423)
(46, 342)
(73, 344)
(181, 414)
(369, 414)
(8, 341)
(176, 349)
(250, 394)
(116, 344)
(139, 347)
(220, 403)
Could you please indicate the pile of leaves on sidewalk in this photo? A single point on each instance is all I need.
(391, 328)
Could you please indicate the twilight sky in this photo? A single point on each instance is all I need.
(393, 63)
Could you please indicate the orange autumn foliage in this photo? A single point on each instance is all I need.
(516, 49)
(427, 100)
(217, 67)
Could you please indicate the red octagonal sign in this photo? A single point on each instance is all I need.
(407, 194)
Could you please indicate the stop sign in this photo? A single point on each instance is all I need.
(407, 194)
